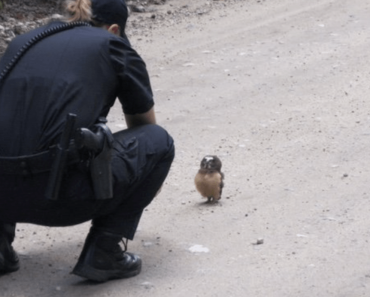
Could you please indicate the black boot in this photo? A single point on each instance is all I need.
(102, 258)
(9, 260)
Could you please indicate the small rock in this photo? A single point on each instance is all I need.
(147, 243)
(198, 249)
(56, 17)
(137, 8)
(147, 285)
(260, 241)
(8, 40)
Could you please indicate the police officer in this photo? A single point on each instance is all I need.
(78, 66)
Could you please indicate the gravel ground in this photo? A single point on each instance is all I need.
(17, 17)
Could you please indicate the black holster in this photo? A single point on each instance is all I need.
(99, 144)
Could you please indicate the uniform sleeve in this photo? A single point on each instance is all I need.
(134, 89)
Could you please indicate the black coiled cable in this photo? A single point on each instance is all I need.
(33, 41)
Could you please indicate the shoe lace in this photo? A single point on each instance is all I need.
(124, 242)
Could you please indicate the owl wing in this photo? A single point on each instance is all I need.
(209, 184)
(222, 184)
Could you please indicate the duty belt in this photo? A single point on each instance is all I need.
(98, 143)
(34, 164)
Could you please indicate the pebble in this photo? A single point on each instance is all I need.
(137, 8)
(147, 243)
(260, 241)
(199, 249)
(147, 285)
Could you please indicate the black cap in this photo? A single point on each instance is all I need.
(111, 12)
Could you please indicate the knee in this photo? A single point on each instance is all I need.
(163, 140)
(171, 148)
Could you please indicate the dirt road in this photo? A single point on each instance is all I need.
(279, 91)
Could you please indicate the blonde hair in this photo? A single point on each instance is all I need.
(79, 10)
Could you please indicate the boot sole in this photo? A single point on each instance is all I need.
(103, 275)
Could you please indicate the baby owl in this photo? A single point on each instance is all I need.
(209, 180)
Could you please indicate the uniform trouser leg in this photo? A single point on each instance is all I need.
(8, 230)
(9, 260)
(141, 161)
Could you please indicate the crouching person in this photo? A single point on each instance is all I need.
(57, 84)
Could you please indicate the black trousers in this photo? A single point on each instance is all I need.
(141, 160)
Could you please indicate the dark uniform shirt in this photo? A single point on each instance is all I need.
(81, 71)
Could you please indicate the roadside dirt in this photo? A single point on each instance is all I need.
(279, 91)
(17, 17)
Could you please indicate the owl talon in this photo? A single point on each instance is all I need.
(212, 200)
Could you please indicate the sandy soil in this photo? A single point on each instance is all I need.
(278, 90)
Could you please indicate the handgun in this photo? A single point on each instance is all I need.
(99, 142)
